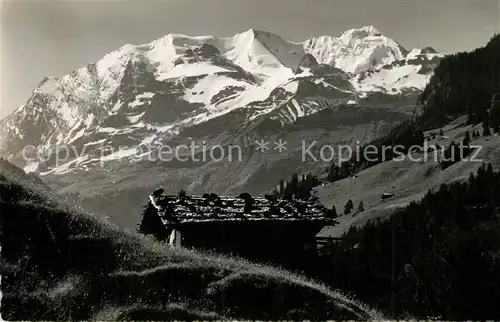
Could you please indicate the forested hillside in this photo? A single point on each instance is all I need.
(464, 83)
(439, 257)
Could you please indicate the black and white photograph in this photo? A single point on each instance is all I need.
(249, 160)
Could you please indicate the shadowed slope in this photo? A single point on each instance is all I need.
(58, 263)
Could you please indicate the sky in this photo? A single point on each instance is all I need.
(52, 38)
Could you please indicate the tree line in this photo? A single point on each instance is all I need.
(299, 188)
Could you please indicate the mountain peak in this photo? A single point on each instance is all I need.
(250, 31)
(356, 50)
(371, 30)
(47, 85)
(257, 34)
(254, 33)
(429, 50)
(308, 61)
(361, 33)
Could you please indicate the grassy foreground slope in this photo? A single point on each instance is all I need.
(60, 263)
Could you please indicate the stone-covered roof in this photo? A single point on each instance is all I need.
(224, 208)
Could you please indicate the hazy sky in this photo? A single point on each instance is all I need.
(53, 38)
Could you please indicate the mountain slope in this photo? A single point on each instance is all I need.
(407, 180)
(58, 263)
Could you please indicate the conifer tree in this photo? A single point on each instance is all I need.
(293, 184)
(489, 171)
(486, 128)
(282, 187)
(334, 211)
(466, 140)
(495, 118)
(361, 207)
(348, 207)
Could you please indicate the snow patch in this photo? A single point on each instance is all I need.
(117, 106)
(298, 108)
(120, 154)
(77, 135)
(209, 86)
(66, 167)
(32, 167)
(395, 79)
(95, 142)
(189, 70)
(48, 85)
(135, 118)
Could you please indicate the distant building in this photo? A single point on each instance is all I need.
(386, 195)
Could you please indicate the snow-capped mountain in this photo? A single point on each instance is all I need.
(178, 81)
(223, 90)
(356, 50)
